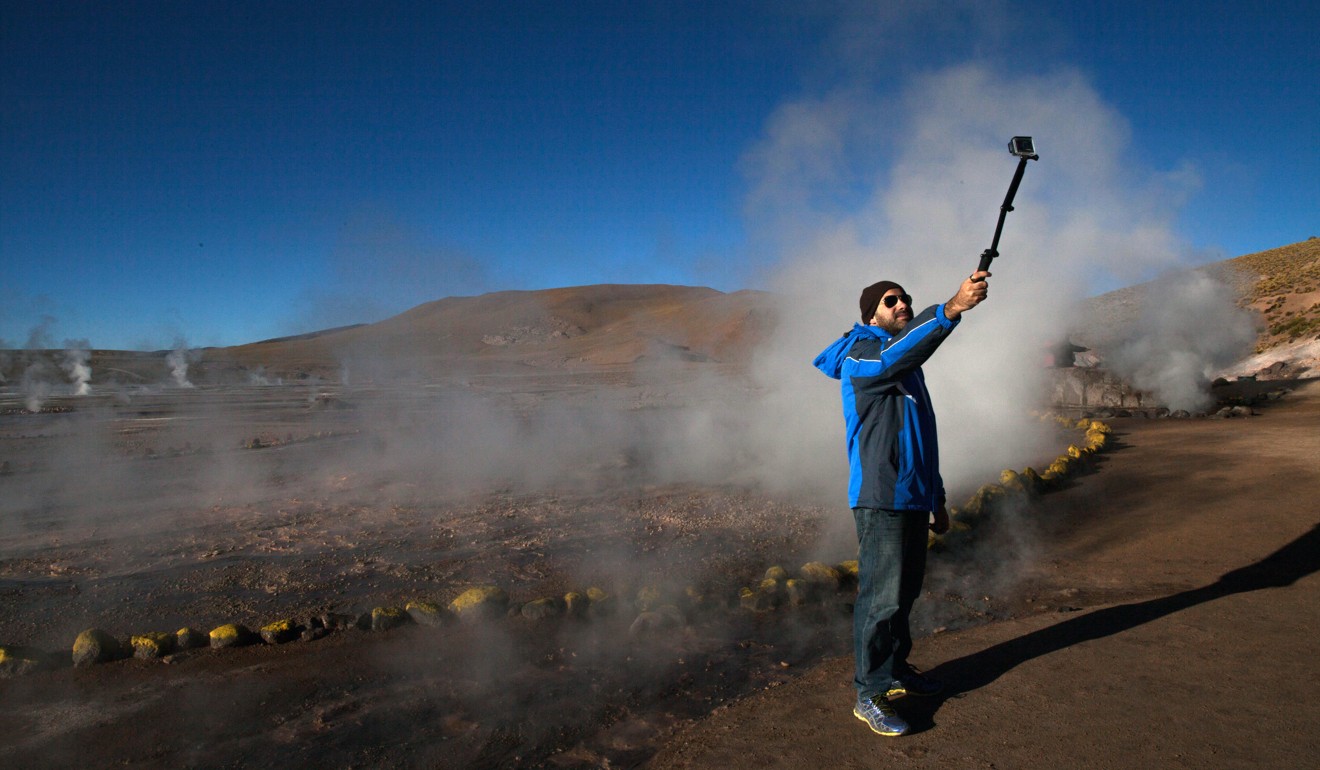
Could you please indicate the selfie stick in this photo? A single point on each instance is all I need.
(1025, 149)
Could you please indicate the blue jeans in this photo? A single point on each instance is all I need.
(891, 564)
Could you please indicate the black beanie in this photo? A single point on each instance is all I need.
(871, 298)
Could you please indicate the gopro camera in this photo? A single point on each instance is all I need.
(1023, 147)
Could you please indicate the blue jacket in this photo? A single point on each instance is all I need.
(893, 454)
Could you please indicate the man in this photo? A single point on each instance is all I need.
(894, 481)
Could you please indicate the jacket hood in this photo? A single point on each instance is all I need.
(830, 361)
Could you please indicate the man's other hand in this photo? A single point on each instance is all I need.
(972, 293)
(941, 523)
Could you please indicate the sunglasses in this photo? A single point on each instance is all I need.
(894, 299)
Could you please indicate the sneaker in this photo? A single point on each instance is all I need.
(913, 682)
(879, 715)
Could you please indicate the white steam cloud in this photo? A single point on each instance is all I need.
(853, 187)
(35, 384)
(77, 355)
(1190, 328)
(177, 360)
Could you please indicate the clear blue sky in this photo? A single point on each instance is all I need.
(231, 171)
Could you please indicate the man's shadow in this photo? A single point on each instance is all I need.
(1282, 568)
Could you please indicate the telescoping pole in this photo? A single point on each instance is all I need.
(1024, 148)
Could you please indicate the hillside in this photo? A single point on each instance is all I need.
(1281, 284)
(1286, 291)
(579, 328)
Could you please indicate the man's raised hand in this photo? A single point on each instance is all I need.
(973, 292)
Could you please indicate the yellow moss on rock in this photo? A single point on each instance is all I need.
(1062, 466)
(776, 572)
(280, 632)
(16, 660)
(189, 638)
(540, 609)
(426, 613)
(848, 568)
(480, 602)
(600, 603)
(96, 646)
(1012, 481)
(230, 635)
(801, 591)
(575, 604)
(385, 618)
(152, 644)
(821, 573)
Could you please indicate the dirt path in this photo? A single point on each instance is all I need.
(1190, 641)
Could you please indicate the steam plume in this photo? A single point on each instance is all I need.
(853, 187)
(35, 384)
(177, 359)
(76, 358)
(1190, 328)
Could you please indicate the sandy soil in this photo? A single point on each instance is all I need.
(1188, 639)
(1093, 630)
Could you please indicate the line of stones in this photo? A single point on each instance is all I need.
(813, 582)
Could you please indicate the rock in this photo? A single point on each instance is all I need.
(231, 635)
(480, 603)
(541, 609)
(1241, 411)
(575, 605)
(189, 639)
(983, 500)
(776, 573)
(153, 644)
(800, 592)
(385, 618)
(1180, 414)
(1012, 482)
(338, 621)
(1031, 480)
(698, 599)
(601, 604)
(96, 646)
(280, 632)
(767, 596)
(312, 633)
(427, 614)
(747, 598)
(16, 660)
(1222, 414)
(820, 574)
(848, 569)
